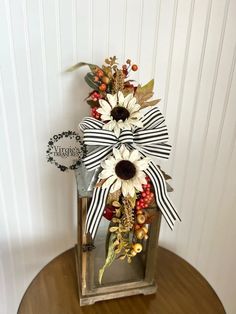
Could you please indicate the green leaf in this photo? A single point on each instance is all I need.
(89, 79)
(93, 67)
(110, 257)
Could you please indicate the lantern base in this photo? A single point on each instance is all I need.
(113, 291)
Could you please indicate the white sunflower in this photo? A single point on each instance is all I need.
(124, 170)
(120, 112)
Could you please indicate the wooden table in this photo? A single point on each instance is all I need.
(181, 289)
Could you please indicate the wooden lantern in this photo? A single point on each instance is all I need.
(120, 278)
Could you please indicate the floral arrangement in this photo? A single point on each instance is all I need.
(125, 129)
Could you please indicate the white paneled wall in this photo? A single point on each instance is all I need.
(188, 46)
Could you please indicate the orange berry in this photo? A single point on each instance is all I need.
(134, 67)
(103, 87)
(105, 79)
(96, 78)
(100, 73)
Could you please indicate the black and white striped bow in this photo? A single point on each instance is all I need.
(151, 139)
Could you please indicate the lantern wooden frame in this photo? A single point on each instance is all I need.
(138, 278)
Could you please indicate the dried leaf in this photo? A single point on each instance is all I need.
(100, 183)
(115, 220)
(113, 196)
(111, 61)
(113, 229)
(131, 200)
(122, 257)
(116, 243)
(109, 259)
(144, 93)
(165, 175)
(150, 103)
(93, 67)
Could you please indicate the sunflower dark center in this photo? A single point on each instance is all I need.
(125, 170)
(119, 113)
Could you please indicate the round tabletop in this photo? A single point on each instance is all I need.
(181, 289)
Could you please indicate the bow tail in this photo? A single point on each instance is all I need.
(95, 211)
(161, 150)
(164, 203)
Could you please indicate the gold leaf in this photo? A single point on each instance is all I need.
(144, 93)
(150, 103)
(113, 196)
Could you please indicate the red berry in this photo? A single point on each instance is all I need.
(143, 194)
(108, 212)
(95, 114)
(134, 67)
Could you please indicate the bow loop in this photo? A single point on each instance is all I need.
(102, 137)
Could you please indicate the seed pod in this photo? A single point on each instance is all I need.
(140, 234)
(113, 229)
(145, 229)
(137, 247)
(116, 204)
(141, 219)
